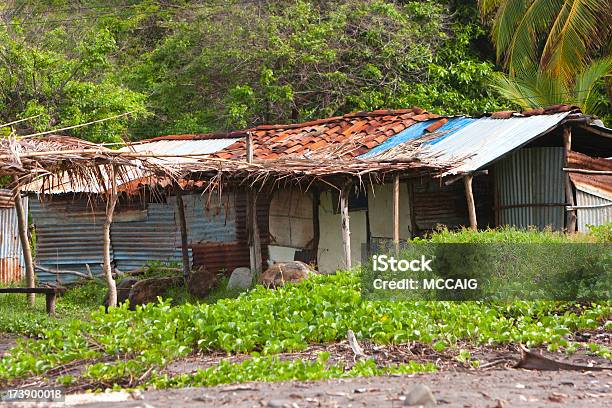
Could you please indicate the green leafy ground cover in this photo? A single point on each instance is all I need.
(118, 348)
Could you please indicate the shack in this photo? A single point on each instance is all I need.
(329, 187)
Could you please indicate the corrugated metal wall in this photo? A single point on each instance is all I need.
(439, 204)
(70, 233)
(69, 236)
(529, 188)
(12, 265)
(150, 237)
(226, 256)
(592, 216)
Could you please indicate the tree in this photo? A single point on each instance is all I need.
(63, 80)
(537, 88)
(555, 51)
(563, 36)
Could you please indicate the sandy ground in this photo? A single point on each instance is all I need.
(492, 388)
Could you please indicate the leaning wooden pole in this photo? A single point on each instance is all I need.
(469, 195)
(396, 212)
(251, 218)
(180, 205)
(570, 215)
(22, 221)
(111, 201)
(346, 229)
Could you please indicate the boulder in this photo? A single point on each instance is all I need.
(147, 290)
(123, 291)
(420, 395)
(201, 282)
(240, 279)
(280, 273)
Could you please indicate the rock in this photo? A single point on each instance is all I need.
(241, 278)
(147, 290)
(201, 282)
(420, 395)
(282, 272)
(123, 291)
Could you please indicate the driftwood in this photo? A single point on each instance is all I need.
(357, 350)
(534, 361)
(64, 272)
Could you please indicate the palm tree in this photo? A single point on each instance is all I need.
(550, 50)
(534, 88)
(562, 35)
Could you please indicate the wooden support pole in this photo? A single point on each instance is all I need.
(469, 194)
(254, 240)
(180, 205)
(111, 201)
(396, 212)
(346, 230)
(570, 215)
(22, 221)
(316, 227)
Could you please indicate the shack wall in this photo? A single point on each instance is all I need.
(12, 265)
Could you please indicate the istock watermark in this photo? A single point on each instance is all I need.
(572, 271)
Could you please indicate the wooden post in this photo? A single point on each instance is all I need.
(22, 221)
(570, 215)
(411, 204)
(396, 212)
(111, 201)
(469, 194)
(251, 218)
(180, 205)
(50, 302)
(316, 228)
(346, 230)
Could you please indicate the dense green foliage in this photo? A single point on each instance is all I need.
(290, 318)
(202, 66)
(266, 322)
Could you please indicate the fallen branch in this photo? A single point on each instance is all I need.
(534, 361)
(64, 272)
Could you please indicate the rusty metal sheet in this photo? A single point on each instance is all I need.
(12, 264)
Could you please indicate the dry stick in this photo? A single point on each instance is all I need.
(22, 220)
(111, 201)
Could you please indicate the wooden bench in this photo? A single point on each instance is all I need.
(50, 295)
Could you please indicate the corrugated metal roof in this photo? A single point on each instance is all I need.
(417, 130)
(485, 140)
(180, 147)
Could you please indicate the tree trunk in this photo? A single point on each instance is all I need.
(184, 238)
(469, 194)
(111, 201)
(22, 220)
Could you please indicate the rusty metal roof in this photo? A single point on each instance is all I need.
(596, 184)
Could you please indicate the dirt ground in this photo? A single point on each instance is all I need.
(492, 388)
(495, 384)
